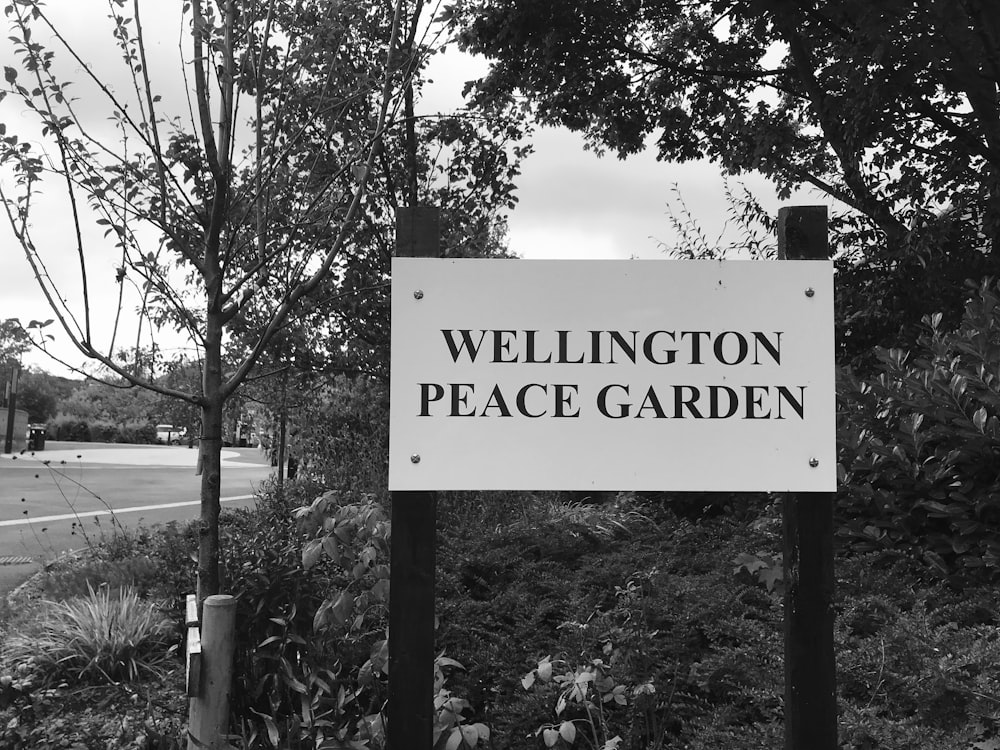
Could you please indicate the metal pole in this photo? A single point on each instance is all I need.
(8, 442)
(807, 523)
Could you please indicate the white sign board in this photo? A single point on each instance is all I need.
(612, 375)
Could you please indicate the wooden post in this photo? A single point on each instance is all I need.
(208, 715)
(807, 522)
(411, 572)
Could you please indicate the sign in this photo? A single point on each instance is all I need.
(612, 375)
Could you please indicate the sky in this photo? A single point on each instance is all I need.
(572, 203)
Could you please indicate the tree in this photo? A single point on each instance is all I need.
(39, 394)
(14, 341)
(890, 108)
(242, 209)
(269, 196)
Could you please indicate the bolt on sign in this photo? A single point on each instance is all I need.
(612, 375)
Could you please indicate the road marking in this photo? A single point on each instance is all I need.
(15, 560)
(113, 512)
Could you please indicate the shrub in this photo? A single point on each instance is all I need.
(94, 638)
(68, 428)
(913, 661)
(918, 447)
(75, 429)
(342, 435)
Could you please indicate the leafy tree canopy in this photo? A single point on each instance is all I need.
(272, 186)
(890, 108)
(14, 341)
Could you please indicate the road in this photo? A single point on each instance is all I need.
(46, 498)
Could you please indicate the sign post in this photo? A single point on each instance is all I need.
(411, 569)
(686, 376)
(807, 522)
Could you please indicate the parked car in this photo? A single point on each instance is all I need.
(170, 435)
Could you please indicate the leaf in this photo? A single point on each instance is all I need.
(772, 576)
(979, 418)
(528, 680)
(319, 619)
(343, 607)
(454, 740)
(381, 589)
(545, 670)
(483, 730)
(470, 734)
(567, 730)
(444, 661)
(751, 563)
(9, 74)
(550, 737)
(380, 656)
(311, 553)
(331, 547)
(272, 728)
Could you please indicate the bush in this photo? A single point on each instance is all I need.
(68, 428)
(918, 448)
(342, 435)
(99, 637)
(289, 669)
(913, 660)
(74, 429)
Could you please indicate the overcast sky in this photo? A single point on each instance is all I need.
(572, 204)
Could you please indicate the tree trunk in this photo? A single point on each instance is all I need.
(282, 429)
(210, 461)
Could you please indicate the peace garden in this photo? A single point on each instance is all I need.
(636, 619)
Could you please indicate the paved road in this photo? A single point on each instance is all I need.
(43, 495)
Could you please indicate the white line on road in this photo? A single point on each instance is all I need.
(113, 512)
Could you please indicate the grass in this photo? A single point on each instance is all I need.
(99, 637)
